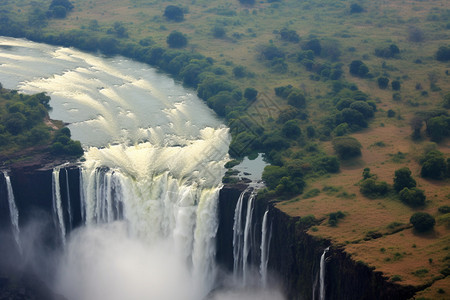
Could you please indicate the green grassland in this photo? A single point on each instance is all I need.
(417, 28)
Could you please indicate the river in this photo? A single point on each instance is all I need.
(152, 169)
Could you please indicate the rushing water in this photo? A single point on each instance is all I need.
(13, 212)
(154, 157)
(322, 274)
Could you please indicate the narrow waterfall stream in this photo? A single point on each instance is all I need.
(13, 212)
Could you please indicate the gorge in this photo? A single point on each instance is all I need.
(145, 214)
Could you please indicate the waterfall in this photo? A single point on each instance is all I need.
(247, 237)
(238, 235)
(265, 246)
(58, 215)
(242, 237)
(322, 274)
(14, 213)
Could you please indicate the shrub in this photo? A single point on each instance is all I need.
(347, 147)
(438, 128)
(433, 165)
(372, 188)
(174, 13)
(422, 221)
(176, 40)
(383, 82)
(313, 45)
(239, 71)
(356, 8)
(388, 52)
(296, 99)
(335, 217)
(250, 94)
(412, 196)
(59, 12)
(445, 209)
(443, 53)
(390, 113)
(289, 35)
(395, 85)
(358, 68)
(291, 130)
(218, 32)
(403, 179)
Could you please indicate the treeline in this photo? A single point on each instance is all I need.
(22, 125)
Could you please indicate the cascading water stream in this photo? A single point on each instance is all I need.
(14, 213)
(58, 215)
(266, 236)
(247, 237)
(238, 236)
(322, 274)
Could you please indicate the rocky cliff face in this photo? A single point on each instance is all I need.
(294, 257)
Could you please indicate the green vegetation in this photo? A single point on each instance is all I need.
(334, 218)
(347, 147)
(413, 196)
(23, 125)
(373, 188)
(422, 221)
(403, 179)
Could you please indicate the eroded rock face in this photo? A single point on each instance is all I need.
(294, 257)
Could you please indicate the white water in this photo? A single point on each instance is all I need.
(322, 274)
(243, 237)
(13, 212)
(154, 157)
(58, 216)
(266, 236)
(248, 237)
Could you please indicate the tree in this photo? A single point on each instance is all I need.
(239, 71)
(383, 82)
(438, 128)
(296, 99)
(174, 13)
(412, 196)
(289, 35)
(176, 40)
(271, 52)
(313, 45)
(273, 174)
(422, 221)
(347, 147)
(356, 8)
(416, 124)
(373, 188)
(59, 12)
(362, 107)
(433, 165)
(395, 85)
(443, 53)
(250, 94)
(403, 179)
(291, 130)
(218, 32)
(358, 68)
